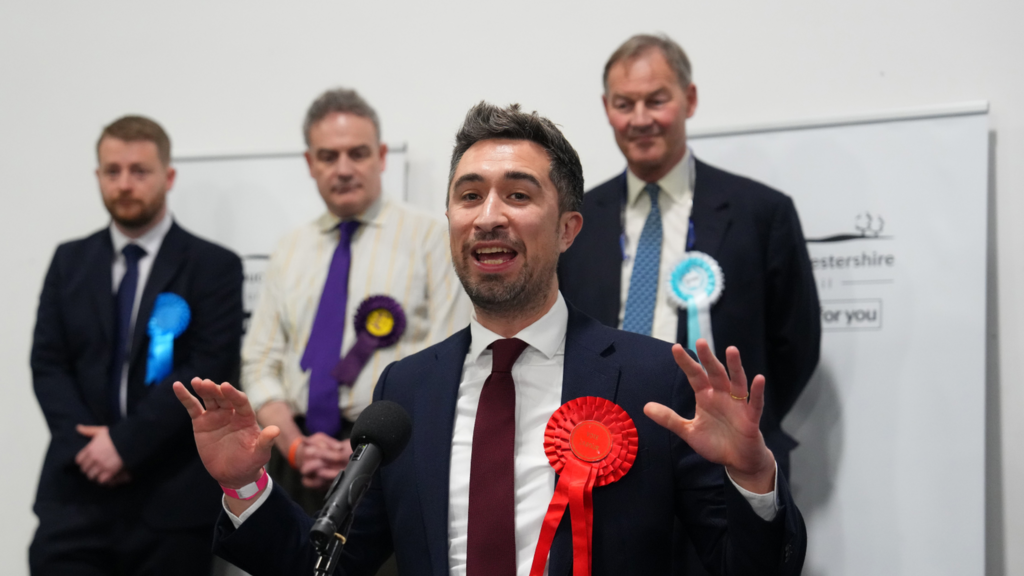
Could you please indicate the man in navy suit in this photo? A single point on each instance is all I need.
(123, 314)
(470, 492)
(668, 204)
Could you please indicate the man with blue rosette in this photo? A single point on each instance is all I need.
(123, 314)
(680, 250)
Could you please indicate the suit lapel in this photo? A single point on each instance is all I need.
(165, 267)
(432, 439)
(100, 283)
(711, 216)
(589, 371)
(607, 217)
(96, 300)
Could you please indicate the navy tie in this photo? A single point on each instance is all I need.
(643, 283)
(123, 323)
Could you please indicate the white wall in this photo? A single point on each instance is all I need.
(237, 76)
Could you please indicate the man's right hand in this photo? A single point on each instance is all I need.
(230, 442)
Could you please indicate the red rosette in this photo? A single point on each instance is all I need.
(590, 442)
(622, 452)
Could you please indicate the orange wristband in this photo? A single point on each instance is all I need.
(292, 450)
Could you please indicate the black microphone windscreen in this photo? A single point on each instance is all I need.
(385, 424)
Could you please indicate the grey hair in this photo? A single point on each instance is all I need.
(339, 100)
(642, 43)
(489, 122)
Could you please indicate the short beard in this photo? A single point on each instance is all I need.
(492, 294)
(143, 219)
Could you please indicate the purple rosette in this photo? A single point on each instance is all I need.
(379, 323)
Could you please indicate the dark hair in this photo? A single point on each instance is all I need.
(339, 100)
(641, 44)
(138, 129)
(489, 122)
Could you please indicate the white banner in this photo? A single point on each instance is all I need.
(890, 474)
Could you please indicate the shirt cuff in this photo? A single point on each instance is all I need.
(765, 505)
(237, 520)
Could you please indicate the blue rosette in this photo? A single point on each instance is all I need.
(379, 323)
(695, 284)
(169, 320)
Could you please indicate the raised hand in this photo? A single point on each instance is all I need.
(724, 428)
(230, 442)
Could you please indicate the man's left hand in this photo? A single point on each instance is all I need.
(99, 460)
(724, 428)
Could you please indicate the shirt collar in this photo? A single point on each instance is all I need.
(373, 216)
(547, 335)
(677, 184)
(150, 241)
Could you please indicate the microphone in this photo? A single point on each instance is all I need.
(378, 437)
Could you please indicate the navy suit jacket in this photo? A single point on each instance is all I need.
(769, 308)
(406, 507)
(71, 362)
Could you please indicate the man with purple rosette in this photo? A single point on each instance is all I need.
(124, 313)
(366, 283)
(542, 441)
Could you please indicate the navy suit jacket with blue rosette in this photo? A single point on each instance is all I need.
(71, 355)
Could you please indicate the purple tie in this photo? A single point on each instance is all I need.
(491, 538)
(324, 346)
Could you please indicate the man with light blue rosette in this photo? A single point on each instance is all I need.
(680, 250)
(123, 313)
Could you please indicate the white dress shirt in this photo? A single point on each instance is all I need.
(538, 378)
(398, 251)
(150, 242)
(538, 381)
(675, 201)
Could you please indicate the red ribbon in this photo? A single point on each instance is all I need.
(590, 442)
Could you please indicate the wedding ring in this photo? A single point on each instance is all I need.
(735, 397)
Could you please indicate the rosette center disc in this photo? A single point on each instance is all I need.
(695, 281)
(590, 441)
(380, 322)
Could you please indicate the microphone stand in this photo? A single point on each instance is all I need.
(329, 546)
(329, 549)
(328, 556)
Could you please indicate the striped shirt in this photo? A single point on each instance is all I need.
(398, 251)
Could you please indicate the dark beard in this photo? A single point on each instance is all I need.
(494, 295)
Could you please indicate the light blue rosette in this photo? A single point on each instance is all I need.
(695, 284)
(170, 317)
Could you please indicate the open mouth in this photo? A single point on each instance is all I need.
(494, 256)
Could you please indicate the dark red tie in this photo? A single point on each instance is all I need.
(492, 498)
